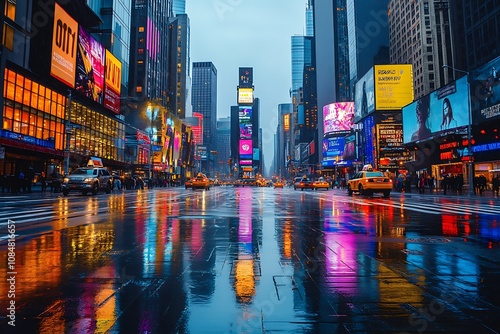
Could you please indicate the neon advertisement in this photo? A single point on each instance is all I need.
(338, 117)
(90, 67)
(246, 147)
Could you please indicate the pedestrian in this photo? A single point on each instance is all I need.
(444, 183)
(496, 185)
(43, 181)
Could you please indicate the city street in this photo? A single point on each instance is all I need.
(249, 260)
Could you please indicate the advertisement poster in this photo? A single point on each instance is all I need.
(90, 67)
(113, 81)
(64, 47)
(246, 147)
(333, 147)
(485, 88)
(444, 109)
(393, 86)
(364, 97)
(338, 117)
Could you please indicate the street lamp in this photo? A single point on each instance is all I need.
(469, 130)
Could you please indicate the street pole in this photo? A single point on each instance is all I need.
(470, 156)
(68, 132)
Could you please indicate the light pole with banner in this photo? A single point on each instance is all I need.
(470, 156)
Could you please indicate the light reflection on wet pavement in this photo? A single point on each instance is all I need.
(254, 260)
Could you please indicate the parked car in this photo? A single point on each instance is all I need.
(201, 181)
(87, 179)
(303, 183)
(368, 182)
(321, 184)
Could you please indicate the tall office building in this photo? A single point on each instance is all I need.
(114, 31)
(420, 35)
(368, 29)
(332, 55)
(149, 53)
(204, 99)
(223, 145)
(309, 19)
(179, 7)
(476, 36)
(179, 65)
(301, 56)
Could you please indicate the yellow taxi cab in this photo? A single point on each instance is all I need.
(279, 184)
(201, 181)
(368, 182)
(321, 184)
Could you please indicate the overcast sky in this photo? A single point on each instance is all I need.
(248, 33)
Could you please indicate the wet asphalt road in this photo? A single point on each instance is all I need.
(250, 260)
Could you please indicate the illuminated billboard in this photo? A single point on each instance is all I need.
(90, 67)
(393, 86)
(246, 77)
(364, 97)
(286, 122)
(485, 89)
(64, 46)
(245, 95)
(246, 147)
(113, 81)
(333, 147)
(338, 117)
(442, 110)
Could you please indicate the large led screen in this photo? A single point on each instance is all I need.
(338, 117)
(393, 86)
(245, 95)
(442, 110)
(485, 90)
(113, 80)
(364, 97)
(349, 148)
(90, 67)
(333, 147)
(64, 47)
(246, 147)
(245, 122)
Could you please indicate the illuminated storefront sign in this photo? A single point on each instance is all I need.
(286, 122)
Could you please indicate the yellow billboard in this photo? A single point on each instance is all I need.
(113, 72)
(393, 86)
(286, 122)
(245, 95)
(64, 38)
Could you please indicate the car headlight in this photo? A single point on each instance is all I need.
(66, 180)
(88, 180)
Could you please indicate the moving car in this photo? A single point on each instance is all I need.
(303, 183)
(201, 181)
(368, 182)
(279, 184)
(188, 184)
(87, 179)
(321, 184)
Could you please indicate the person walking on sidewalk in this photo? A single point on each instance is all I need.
(496, 185)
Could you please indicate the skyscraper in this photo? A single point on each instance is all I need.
(420, 35)
(179, 65)
(204, 99)
(149, 50)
